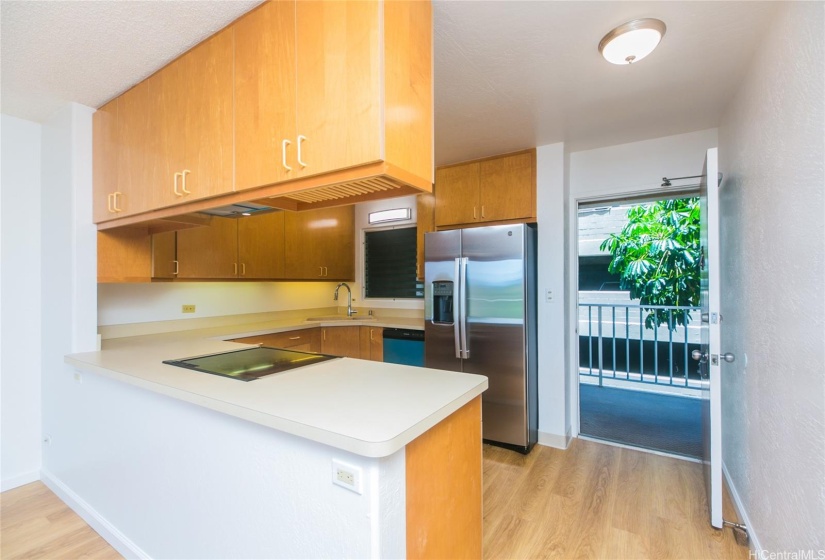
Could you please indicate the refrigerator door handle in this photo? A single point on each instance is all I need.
(462, 312)
(457, 308)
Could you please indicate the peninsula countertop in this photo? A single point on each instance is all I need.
(369, 408)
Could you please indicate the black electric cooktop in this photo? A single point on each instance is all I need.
(251, 363)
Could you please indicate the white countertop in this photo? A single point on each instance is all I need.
(369, 408)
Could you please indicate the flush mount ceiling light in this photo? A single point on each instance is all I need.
(632, 41)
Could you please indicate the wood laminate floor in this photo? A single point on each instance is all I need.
(598, 501)
(590, 501)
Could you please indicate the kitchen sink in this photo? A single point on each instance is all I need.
(328, 318)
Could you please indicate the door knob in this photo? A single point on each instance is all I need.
(699, 356)
(728, 357)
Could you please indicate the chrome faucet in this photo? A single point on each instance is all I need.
(350, 312)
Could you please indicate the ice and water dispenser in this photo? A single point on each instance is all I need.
(443, 302)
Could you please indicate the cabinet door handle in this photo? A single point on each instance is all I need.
(371, 340)
(475, 217)
(109, 201)
(114, 201)
(183, 183)
(325, 333)
(326, 271)
(482, 211)
(236, 268)
(177, 192)
(301, 138)
(321, 273)
(294, 338)
(243, 269)
(177, 268)
(284, 144)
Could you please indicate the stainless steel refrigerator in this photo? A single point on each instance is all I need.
(480, 317)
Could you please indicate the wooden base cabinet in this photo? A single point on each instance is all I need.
(302, 340)
(341, 341)
(497, 189)
(372, 343)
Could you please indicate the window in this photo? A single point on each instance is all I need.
(389, 264)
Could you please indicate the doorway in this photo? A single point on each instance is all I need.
(638, 322)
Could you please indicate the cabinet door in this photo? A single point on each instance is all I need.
(302, 245)
(167, 114)
(507, 187)
(209, 251)
(135, 145)
(320, 244)
(425, 212)
(456, 194)
(338, 242)
(261, 246)
(372, 343)
(104, 161)
(164, 255)
(341, 341)
(265, 95)
(124, 255)
(303, 340)
(338, 84)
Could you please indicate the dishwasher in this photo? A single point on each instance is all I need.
(404, 346)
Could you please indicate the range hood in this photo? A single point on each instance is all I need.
(238, 210)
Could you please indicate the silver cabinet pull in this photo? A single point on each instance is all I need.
(177, 265)
(109, 201)
(294, 338)
(236, 268)
(175, 187)
(183, 182)
(114, 201)
(243, 269)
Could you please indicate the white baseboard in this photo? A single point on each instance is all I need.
(555, 440)
(104, 528)
(19, 480)
(741, 512)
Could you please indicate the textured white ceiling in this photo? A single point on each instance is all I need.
(90, 51)
(508, 74)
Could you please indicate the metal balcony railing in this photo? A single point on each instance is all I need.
(614, 344)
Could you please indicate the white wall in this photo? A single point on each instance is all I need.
(120, 304)
(773, 246)
(20, 301)
(554, 425)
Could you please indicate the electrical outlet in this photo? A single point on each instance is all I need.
(188, 308)
(347, 476)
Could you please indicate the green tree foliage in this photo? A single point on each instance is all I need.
(657, 257)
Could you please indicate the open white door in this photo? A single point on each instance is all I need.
(709, 357)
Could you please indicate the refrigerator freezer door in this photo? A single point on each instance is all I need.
(496, 336)
(441, 249)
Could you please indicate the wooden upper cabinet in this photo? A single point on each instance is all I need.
(320, 244)
(338, 85)
(135, 144)
(322, 87)
(425, 218)
(261, 246)
(104, 162)
(456, 200)
(210, 251)
(265, 95)
(507, 187)
(497, 189)
(192, 113)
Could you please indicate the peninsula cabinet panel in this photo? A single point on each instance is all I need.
(341, 341)
(507, 187)
(193, 111)
(265, 95)
(320, 244)
(209, 252)
(456, 200)
(261, 246)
